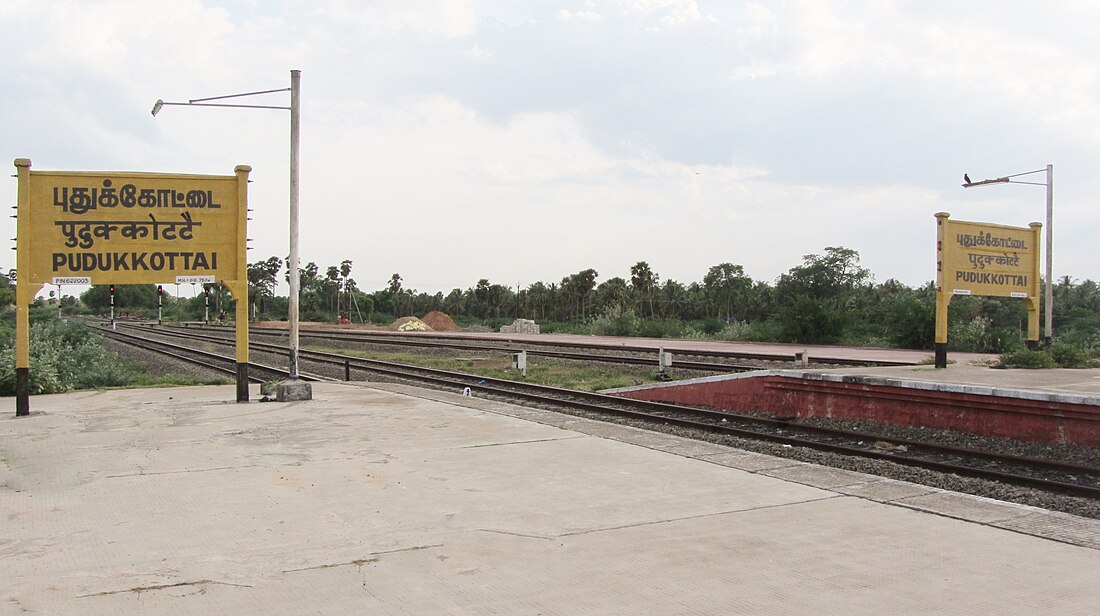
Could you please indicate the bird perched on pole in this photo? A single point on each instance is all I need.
(966, 178)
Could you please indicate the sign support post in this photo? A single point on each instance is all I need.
(239, 287)
(1032, 300)
(23, 293)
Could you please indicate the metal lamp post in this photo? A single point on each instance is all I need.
(1048, 295)
(294, 389)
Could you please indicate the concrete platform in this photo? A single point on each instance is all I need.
(1082, 383)
(395, 500)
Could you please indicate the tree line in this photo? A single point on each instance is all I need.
(827, 298)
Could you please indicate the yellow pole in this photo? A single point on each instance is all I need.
(1032, 301)
(943, 299)
(239, 287)
(23, 290)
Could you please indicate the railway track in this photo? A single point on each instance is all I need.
(723, 361)
(226, 364)
(1048, 475)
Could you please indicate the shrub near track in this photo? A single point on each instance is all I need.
(64, 356)
(1059, 355)
(68, 355)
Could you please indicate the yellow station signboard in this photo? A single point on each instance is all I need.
(978, 258)
(981, 258)
(133, 228)
(84, 227)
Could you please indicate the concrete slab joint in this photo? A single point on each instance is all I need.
(292, 390)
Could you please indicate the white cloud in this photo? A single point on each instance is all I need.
(588, 16)
(480, 53)
(450, 141)
(434, 18)
(672, 12)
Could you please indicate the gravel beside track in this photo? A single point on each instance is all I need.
(156, 363)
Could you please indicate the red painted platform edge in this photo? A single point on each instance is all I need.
(1029, 416)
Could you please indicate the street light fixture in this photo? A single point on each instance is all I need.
(1049, 291)
(295, 389)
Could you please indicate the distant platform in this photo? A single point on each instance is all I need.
(821, 353)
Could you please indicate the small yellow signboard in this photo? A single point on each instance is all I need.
(980, 258)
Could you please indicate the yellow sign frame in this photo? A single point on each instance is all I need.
(980, 258)
(84, 227)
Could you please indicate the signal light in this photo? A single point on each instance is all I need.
(206, 290)
(160, 290)
(112, 288)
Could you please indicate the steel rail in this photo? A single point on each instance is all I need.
(645, 356)
(167, 348)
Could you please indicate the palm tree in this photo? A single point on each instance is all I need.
(643, 281)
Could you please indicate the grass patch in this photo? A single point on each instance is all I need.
(581, 376)
(175, 380)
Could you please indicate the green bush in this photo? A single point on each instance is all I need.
(1061, 354)
(1005, 340)
(734, 331)
(1070, 356)
(662, 328)
(1026, 358)
(810, 320)
(63, 356)
(564, 327)
(911, 323)
(385, 318)
(710, 327)
(617, 320)
(974, 336)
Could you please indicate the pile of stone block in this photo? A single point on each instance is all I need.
(520, 326)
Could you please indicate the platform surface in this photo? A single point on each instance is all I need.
(1081, 382)
(396, 500)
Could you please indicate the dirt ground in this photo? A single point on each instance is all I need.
(316, 325)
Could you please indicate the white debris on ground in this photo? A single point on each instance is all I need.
(520, 326)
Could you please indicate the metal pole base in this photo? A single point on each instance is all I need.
(22, 392)
(941, 354)
(242, 382)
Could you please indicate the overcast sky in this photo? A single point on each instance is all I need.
(453, 140)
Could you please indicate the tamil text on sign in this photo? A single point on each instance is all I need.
(133, 228)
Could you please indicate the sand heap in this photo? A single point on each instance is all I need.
(410, 324)
(440, 321)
